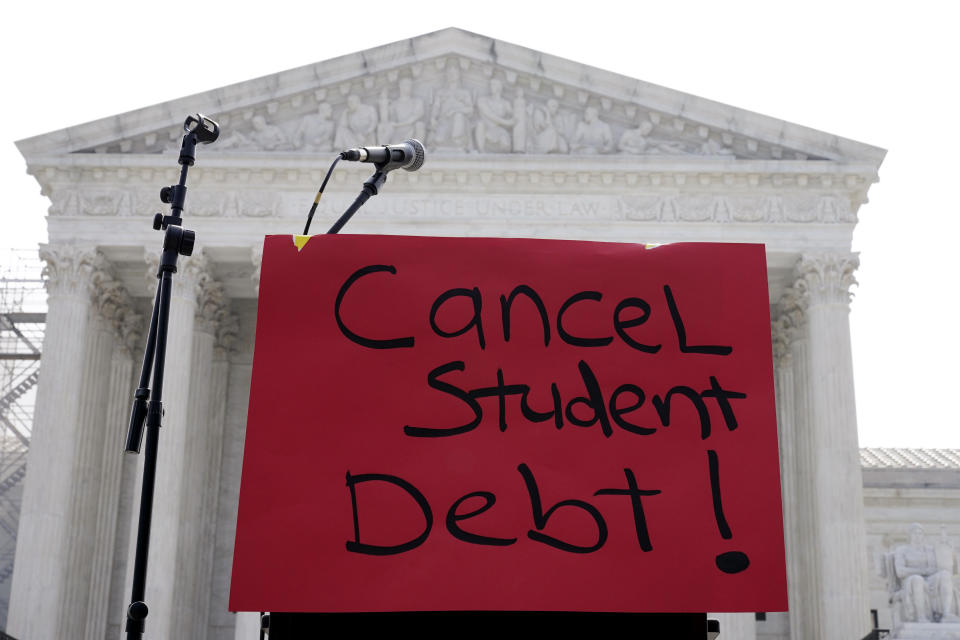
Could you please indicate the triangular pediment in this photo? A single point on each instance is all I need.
(460, 93)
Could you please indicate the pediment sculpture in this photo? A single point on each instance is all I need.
(458, 106)
(455, 118)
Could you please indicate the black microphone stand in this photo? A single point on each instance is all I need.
(371, 187)
(147, 404)
(409, 155)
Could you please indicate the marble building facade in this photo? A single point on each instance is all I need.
(519, 143)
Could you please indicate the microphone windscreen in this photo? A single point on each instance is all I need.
(418, 151)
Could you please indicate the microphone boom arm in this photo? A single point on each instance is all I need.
(408, 155)
(371, 187)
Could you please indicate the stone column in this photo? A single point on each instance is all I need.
(224, 625)
(54, 543)
(188, 471)
(165, 575)
(832, 600)
(786, 325)
(247, 625)
(133, 330)
(844, 595)
(227, 330)
(126, 324)
(201, 487)
(91, 436)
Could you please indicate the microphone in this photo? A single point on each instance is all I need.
(406, 155)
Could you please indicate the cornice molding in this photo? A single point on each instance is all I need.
(132, 165)
(751, 191)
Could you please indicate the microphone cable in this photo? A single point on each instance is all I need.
(316, 201)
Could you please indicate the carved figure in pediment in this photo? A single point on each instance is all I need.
(638, 141)
(494, 131)
(593, 135)
(401, 119)
(233, 140)
(712, 147)
(920, 578)
(264, 137)
(547, 136)
(520, 122)
(315, 131)
(451, 114)
(268, 136)
(357, 124)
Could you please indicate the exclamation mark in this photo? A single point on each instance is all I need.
(731, 561)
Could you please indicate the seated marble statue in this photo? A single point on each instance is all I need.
(264, 137)
(925, 583)
(357, 124)
(315, 131)
(593, 135)
(638, 142)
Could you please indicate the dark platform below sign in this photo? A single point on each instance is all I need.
(445, 624)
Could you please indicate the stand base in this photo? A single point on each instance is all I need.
(445, 624)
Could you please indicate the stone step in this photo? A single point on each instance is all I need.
(929, 631)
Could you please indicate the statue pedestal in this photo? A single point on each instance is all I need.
(929, 631)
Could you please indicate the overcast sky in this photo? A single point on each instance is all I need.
(878, 72)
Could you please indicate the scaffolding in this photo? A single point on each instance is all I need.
(22, 320)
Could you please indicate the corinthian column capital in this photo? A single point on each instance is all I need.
(110, 297)
(130, 327)
(782, 337)
(112, 302)
(212, 303)
(789, 319)
(69, 268)
(228, 327)
(827, 277)
(192, 272)
(215, 316)
(195, 271)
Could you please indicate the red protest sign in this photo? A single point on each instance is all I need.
(442, 424)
